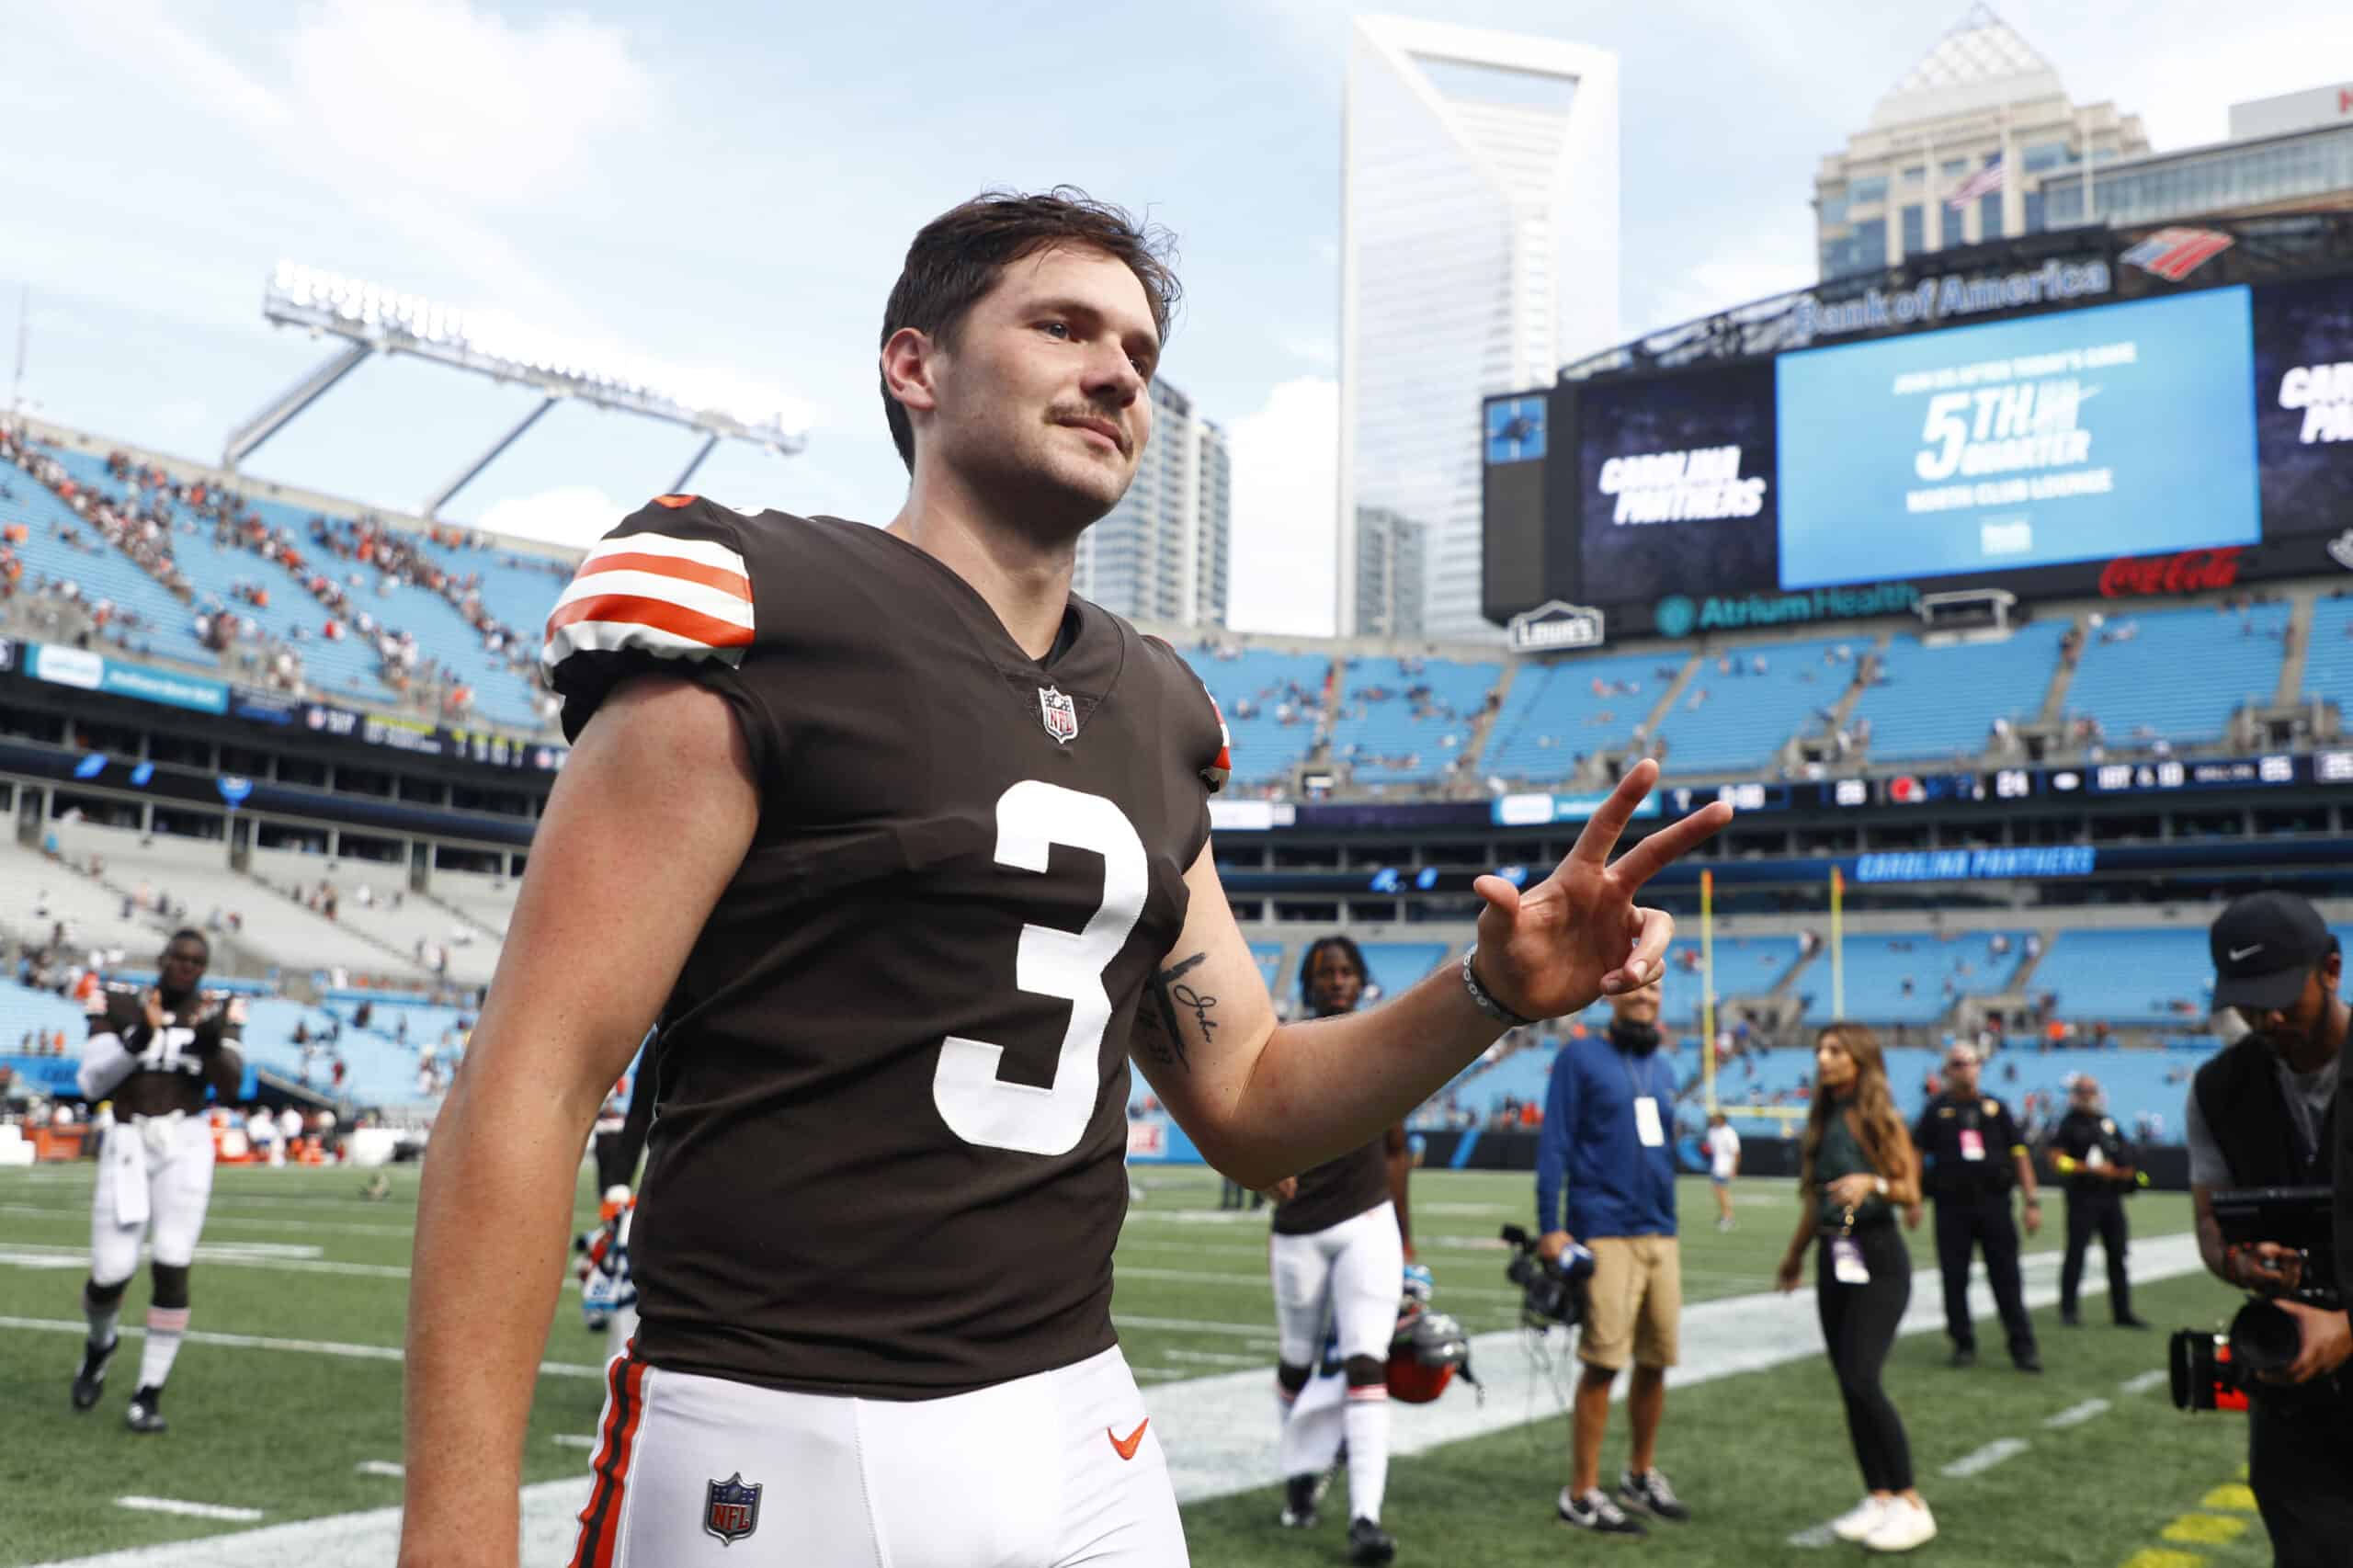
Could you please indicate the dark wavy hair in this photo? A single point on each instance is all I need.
(1347, 948)
(1879, 1124)
(956, 258)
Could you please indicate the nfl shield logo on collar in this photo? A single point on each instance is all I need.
(1060, 713)
(731, 1510)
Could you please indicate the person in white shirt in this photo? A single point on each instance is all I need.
(1724, 1164)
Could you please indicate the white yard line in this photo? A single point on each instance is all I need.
(2076, 1415)
(231, 1256)
(1216, 1358)
(1987, 1458)
(1814, 1535)
(193, 1510)
(380, 1467)
(573, 1440)
(79, 1214)
(262, 1342)
(2142, 1382)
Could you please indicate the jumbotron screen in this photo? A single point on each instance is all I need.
(2180, 440)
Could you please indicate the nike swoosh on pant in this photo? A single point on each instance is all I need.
(1126, 1447)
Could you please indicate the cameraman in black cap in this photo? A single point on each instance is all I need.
(2260, 1115)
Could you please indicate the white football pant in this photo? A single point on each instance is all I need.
(154, 1179)
(1058, 1468)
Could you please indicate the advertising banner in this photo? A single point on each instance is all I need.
(2020, 443)
(86, 671)
(1676, 489)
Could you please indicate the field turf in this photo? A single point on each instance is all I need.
(297, 1414)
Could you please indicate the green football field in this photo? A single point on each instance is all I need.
(285, 1401)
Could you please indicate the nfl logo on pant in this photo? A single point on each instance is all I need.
(731, 1510)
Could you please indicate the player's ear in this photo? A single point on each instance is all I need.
(910, 365)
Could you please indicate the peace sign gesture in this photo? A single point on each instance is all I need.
(1553, 948)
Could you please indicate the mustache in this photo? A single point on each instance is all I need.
(1082, 415)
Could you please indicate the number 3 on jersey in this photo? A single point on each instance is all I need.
(978, 1106)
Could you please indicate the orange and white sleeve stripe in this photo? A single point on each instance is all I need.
(671, 598)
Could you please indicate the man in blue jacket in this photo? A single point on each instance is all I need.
(1608, 1118)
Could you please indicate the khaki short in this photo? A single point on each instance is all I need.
(1633, 1302)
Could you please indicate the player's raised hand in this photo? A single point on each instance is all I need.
(1578, 935)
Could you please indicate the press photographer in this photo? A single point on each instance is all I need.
(2260, 1115)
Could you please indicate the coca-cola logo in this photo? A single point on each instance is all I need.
(2191, 571)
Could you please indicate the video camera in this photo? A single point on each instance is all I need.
(1550, 1293)
(2218, 1372)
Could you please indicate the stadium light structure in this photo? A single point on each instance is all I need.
(371, 318)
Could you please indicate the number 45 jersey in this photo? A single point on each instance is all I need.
(888, 1154)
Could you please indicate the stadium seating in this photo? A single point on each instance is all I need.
(1745, 712)
(1395, 966)
(1913, 709)
(2328, 657)
(42, 1014)
(2179, 674)
(1745, 966)
(1564, 708)
(488, 902)
(59, 546)
(1253, 688)
(1388, 737)
(37, 892)
(1911, 977)
(2155, 976)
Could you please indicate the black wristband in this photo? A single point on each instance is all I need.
(1484, 999)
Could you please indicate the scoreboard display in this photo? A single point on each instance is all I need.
(2094, 447)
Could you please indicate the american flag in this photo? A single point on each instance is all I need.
(1984, 180)
(2173, 253)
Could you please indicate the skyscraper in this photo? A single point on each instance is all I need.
(1162, 554)
(1478, 252)
(1960, 150)
(1392, 552)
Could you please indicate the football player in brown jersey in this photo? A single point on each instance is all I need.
(1340, 1244)
(907, 848)
(153, 1053)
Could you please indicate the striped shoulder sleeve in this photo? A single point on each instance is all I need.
(667, 589)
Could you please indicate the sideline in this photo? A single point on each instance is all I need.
(1216, 1431)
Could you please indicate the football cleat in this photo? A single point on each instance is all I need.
(91, 1380)
(144, 1415)
(1368, 1543)
(1300, 1494)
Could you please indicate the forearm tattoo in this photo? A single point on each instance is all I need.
(1168, 1002)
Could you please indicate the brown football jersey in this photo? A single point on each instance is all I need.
(196, 1047)
(892, 1077)
(1336, 1190)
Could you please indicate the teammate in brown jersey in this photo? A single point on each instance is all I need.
(906, 849)
(1341, 1240)
(153, 1053)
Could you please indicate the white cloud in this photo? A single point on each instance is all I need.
(1286, 485)
(576, 514)
(438, 94)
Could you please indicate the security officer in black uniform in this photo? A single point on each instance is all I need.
(1973, 1152)
(2100, 1167)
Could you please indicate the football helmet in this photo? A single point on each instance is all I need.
(1429, 1349)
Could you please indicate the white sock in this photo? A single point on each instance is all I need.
(1368, 1428)
(165, 1327)
(101, 1318)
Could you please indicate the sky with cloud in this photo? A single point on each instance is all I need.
(727, 189)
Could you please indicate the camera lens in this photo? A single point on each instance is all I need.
(2264, 1338)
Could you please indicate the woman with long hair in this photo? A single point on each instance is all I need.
(1857, 1169)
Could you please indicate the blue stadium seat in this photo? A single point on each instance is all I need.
(1395, 966)
(1387, 737)
(2157, 976)
(1940, 703)
(2328, 658)
(1564, 708)
(1252, 688)
(2178, 673)
(1901, 977)
(1744, 715)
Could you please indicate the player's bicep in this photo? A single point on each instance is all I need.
(1205, 1014)
(647, 825)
